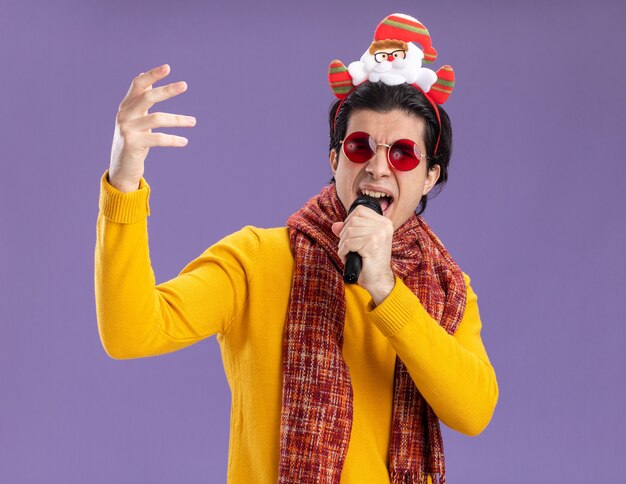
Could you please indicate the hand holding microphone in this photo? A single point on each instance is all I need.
(365, 246)
(354, 262)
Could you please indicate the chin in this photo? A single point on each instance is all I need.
(398, 219)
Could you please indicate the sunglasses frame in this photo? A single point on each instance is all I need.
(422, 155)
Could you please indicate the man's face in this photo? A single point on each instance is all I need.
(404, 189)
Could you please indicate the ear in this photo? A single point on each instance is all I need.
(432, 176)
(334, 161)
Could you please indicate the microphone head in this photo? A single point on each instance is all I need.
(369, 202)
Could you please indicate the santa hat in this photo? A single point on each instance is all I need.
(399, 26)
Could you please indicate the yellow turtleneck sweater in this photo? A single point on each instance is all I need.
(238, 290)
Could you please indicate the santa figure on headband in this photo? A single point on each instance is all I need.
(392, 62)
(394, 58)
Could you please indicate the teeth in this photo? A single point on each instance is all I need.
(373, 194)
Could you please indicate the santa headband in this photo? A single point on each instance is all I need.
(394, 58)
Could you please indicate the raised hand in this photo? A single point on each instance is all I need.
(133, 136)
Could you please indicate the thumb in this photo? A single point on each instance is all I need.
(337, 228)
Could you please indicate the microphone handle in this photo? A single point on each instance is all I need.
(354, 262)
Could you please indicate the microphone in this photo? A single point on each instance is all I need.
(354, 262)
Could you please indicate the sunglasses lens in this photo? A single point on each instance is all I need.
(404, 155)
(358, 147)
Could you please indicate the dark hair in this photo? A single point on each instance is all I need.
(379, 97)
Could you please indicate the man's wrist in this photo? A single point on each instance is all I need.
(123, 186)
(382, 290)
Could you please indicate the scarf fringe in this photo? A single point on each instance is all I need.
(416, 478)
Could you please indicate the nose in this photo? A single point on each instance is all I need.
(378, 165)
(390, 58)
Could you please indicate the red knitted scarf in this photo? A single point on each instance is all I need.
(316, 417)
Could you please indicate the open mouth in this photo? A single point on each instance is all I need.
(384, 199)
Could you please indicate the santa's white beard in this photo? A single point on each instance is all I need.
(399, 71)
(393, 73)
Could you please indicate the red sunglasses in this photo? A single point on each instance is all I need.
(403, 155)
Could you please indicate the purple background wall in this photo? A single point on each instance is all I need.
(533, 211)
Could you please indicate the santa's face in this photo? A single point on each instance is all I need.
(394, 66)
(385, 59)
(402, 189)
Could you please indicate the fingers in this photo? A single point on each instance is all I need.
(356, 220)
(362, 212)
(150, 140)
(134, 124)
(352, 232)
(355, 239)
(147, 99)
(364, 231)
(337, 227)
(361, 217)
(143, 81)
(353, 244)
(161, 120)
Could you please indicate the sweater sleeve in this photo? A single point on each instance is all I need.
(452, 372)
(136, 317)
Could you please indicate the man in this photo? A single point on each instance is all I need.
(329, 382)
